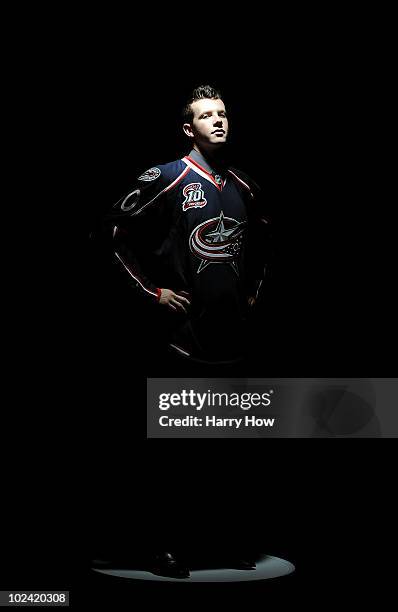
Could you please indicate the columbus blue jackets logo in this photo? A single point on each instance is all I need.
(217, 240)
(194, 196)
(150, 175)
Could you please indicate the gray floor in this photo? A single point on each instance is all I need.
(267, 567)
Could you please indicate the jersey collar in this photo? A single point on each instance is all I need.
(198, 168)
(201, 161)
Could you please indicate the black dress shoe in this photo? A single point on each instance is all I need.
(243, 564)
(166, 564)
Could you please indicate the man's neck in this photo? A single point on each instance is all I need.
(214, 158)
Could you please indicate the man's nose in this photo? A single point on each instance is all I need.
(217, 121)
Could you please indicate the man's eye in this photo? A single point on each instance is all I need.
(204, 116)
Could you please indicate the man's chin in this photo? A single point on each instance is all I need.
(215, 144)
(211, 147)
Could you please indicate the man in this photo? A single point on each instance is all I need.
(191, 237)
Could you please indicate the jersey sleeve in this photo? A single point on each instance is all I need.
(133, 227)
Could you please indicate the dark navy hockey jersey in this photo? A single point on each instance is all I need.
(185, 228)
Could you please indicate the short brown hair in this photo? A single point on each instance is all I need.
(199, 93)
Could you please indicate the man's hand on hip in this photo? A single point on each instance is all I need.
(174, 301)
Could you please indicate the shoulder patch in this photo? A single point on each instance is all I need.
(150, 175)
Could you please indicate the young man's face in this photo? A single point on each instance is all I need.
(209, 127)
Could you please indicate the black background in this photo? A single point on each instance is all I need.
(301, 128)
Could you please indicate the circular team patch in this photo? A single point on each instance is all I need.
(150, 175)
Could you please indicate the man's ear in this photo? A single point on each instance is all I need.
(187, 127)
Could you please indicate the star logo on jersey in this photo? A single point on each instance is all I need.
(194, 196)
(217, 240)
